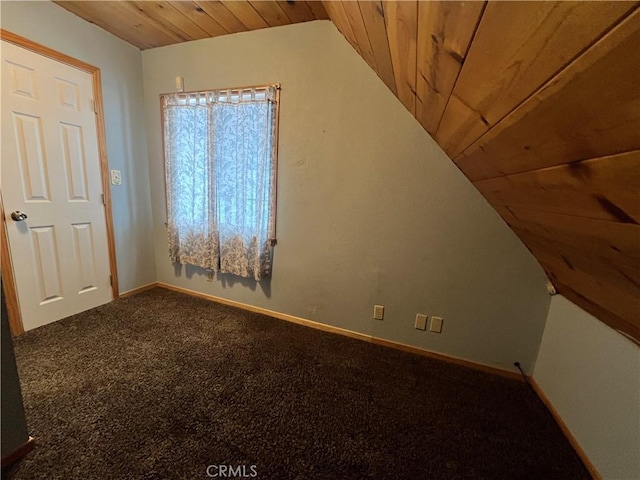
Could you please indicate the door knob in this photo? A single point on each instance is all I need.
(19, 216)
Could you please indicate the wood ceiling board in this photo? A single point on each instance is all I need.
(606, 188)
(587, 257)
(591, 109)
(373, 18)
(148, 24)
(271, 13)
(221, 17)
(630, 330)
(166, 15)
(318, 10)
(518, 47)
(133, 37)
(125, 21)
(123, 11)
(619, 302)
(297, 12)
(338, 16)
(617, 242)
(401, 19)
(354, 17)
(445, 31)
(623, 277)
(199, 16)
(244, 12)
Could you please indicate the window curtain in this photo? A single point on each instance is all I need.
(220, 165)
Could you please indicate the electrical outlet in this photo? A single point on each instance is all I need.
(421, 322)
(210, 274)
(378, 312)
(116, 177)
(436, 324)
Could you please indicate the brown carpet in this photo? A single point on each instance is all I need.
(163, 385)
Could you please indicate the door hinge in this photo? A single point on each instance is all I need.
(93, 106)
(111, 280)
(104, 199)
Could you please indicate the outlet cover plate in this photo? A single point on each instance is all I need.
(421, 322)
(378, 312)
(436, 324)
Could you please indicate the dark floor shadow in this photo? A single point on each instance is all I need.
(228, 280)
(225, 280)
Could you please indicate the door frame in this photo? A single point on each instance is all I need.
(8, 280)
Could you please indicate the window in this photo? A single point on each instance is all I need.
(220, 150)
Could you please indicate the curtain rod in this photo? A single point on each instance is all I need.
(277, 86)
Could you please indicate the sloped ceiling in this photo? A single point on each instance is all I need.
(538, 103)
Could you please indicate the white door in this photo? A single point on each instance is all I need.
(50, 171)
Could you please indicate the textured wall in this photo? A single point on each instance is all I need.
(591, 375)
(120, 66)
(370, 210)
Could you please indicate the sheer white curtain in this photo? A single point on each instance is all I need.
(220, 149)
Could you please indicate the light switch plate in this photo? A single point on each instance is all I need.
(116, 177)
(421, 322)
(436, 324)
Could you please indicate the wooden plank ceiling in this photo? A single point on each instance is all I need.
(147, 24)
(538, 103)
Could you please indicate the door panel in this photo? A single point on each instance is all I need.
(50, 170)
(85, 254)
(47, 263)
(74, 159)
(23, 80)
(67, 94)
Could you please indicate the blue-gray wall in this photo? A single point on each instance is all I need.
(370, 209)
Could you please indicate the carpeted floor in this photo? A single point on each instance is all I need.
(162, 385)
